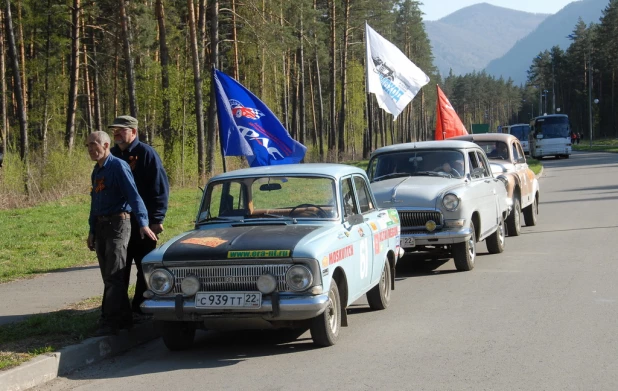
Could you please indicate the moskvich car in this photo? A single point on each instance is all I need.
(288, 246)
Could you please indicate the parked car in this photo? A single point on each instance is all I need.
(446, 196)
(507, 158)
(287, 246)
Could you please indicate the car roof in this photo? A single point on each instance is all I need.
(326, 169)
(438, 144)
(504, 137)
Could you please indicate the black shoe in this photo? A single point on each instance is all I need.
(106, 330)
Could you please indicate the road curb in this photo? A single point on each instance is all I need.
(47, 367)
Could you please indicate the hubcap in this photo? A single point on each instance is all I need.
(472, 247)
(501, 232)
(385, 282)
(332, 312)
(518, 216)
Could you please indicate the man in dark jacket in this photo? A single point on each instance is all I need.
(153, 187)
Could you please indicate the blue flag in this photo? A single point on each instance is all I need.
(248, 127)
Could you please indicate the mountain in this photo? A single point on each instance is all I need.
(552, 31)
(470, 38)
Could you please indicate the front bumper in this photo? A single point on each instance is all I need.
(443, 237)
(274, 308)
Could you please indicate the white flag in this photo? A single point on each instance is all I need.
(391, 76)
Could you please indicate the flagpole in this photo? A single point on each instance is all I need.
(369, 113)
(214, 85)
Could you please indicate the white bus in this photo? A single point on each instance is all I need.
(550, 135)
(521, 131)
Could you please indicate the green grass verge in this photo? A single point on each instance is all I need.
(53, 236)
(534, 165)
(603, 145)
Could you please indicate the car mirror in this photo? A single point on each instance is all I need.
(270, 187)
(356, 219)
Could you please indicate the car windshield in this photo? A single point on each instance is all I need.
(494, 149)
(269, 197)
(521, 132)
(552, 127)
(435, 162)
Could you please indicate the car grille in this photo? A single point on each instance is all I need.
(229, 278)
(415, 220)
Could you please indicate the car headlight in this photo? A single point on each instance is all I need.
(161, 281)
(298, 278)
(266, 283)
(451, 202)
(190, 285)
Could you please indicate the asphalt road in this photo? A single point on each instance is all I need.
(540, 316)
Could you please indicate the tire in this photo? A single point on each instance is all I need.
(464, 253)
(379, 296)
(177, 335)
(531, 213)
(325, 327)
(513, 222)
(495, 242)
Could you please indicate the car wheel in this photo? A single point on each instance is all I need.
(531, 212)
(380, 295)
(513, 222)
(177, 335)
(325, 327)
(495, 242)
(464, 253)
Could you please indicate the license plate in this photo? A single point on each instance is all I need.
(406, 242)
(228, 300)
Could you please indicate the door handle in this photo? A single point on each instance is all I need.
(381, 214)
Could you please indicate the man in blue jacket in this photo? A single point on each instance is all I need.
(152, 185)
(113, 197)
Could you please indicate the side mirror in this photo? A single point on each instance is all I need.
(356, 219)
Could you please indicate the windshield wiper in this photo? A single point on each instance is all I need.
(212, 219)
(391, 175)
(434, 173)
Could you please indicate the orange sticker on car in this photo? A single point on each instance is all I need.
(207, 241)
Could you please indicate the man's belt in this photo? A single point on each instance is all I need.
(117, 216)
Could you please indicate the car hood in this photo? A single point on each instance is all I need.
(419, 191)
(501, 167)
(253, 241)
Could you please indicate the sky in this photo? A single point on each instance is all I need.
(436, 9)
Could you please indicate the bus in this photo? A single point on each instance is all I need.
(521, 131)
(550, 135)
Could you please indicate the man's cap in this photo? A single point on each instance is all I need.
(124, 121)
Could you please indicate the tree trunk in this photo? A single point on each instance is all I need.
(234, 41)
(3, 114)
(321, 108)
(199, 104)
(74, 75)
(166, 132)
(128, 59)
(87, 87)
(17, 87)
(302, 126)
(333, 75)
(344, 78)
(45, 122)
(212, 108)
(22, 54)
(95, 83)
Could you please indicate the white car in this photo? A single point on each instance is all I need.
(447, 198)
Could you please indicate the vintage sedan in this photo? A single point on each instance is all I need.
(507, 159)
(447, 198)
(288, 246)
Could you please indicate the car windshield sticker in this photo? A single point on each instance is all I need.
(373, 226)
(361, 232)
(207, 241)
(341, 254)
(259, 254)
(382, 236)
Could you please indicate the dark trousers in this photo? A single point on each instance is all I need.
(111, 241)
(138, 248)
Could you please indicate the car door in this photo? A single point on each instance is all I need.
(489, 207)
(359, 236)
(521, 168)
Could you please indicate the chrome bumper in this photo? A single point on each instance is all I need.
(289, 308)
(446, 236)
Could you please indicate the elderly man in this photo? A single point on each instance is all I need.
(152, 185)
(113, 197)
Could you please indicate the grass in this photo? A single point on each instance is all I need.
(534, 165)
(53, 235)
(602, 145)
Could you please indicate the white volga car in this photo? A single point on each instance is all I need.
(447, 198)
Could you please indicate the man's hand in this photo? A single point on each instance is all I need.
(90, 242)
(156, 228)
(147, 232)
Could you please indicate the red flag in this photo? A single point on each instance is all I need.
(448, 123)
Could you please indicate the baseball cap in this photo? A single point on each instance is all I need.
(124, 121)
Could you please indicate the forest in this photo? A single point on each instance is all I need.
(68, 67)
